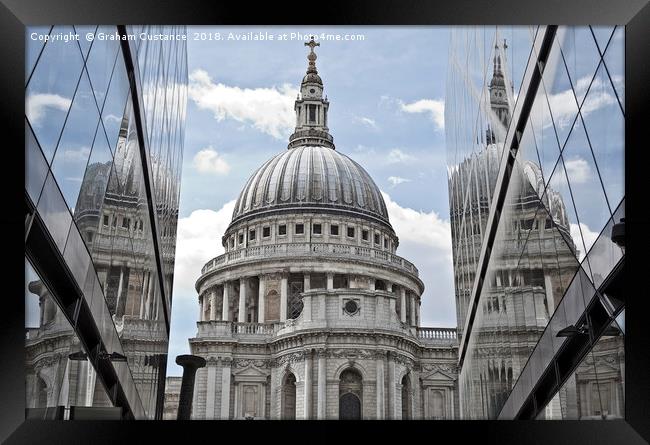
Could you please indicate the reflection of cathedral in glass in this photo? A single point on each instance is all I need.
(310, 313)
(108, 198)
(530, 269)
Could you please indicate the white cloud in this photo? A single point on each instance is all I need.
(113, 117)
(76, 155)
(198, 241)
(587, 234)
(578, 170)
(425, 240)
(436, 109)
(397, 156)
(270, 110)
(563, 104)
(397, 180)
(37, 104)
(367, 121)
(598, 97)
(209, 160)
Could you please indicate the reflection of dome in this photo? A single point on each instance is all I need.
(550, 198)
(311, 178)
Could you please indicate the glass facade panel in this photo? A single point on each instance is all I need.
(99, 167)
(50, 90)
(57, 370)
(114, 111)
(557, 202)
(580, 55)
(101, 59)
(596, 389)
(585, 185)
(55, 213)
(560, 95)
(478, 121)
(602, 35)
(35, 165)
(605, 126)
(83, 41)
(615, 62)
(73, 150)
(33, 47)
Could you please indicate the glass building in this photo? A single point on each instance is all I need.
(104, 132)
(534, 122)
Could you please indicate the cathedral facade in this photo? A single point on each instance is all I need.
(310, 313)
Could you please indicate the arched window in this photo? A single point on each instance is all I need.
(289, 397)
(406, 397)
(350, 394)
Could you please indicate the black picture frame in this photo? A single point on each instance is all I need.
(635, 14)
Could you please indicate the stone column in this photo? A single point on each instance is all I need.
(402, 313)
(200, 307)
(416, 397)
(284, 291)
(147, 307)
(381, 383)
(308, 385)
(262, 298)
(145, 281)
(306, 282)
(371, 283)
(210, 389)
(391, 388)
(190, 364)
(225, 388)
(225, 310)
(322, 385)
(306, 311)
(243, 282)
(451, 392)
(213, 305)
(119, 290)
(274, 411)
(330, 281)
(413, 303)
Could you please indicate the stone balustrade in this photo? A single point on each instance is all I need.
(218, 328)
(309, 249)
(437, 335)
(231, 329)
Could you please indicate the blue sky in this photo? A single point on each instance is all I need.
(386, 96)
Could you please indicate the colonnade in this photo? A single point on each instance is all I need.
(208, 300)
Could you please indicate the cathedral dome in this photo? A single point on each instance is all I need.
(311, 178)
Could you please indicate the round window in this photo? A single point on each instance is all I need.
(351, 307)
(312, 91)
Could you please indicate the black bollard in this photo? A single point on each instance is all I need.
(190, 364)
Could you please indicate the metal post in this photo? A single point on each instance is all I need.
(190, 364)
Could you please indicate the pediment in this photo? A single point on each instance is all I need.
(438, 375)
(250, 371)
